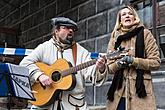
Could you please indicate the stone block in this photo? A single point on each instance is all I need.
(50, 11)
(44, 28)
(161, 30)
(34, 5)
(87, 9)
(43, 3)
(81, 33)
(72, 14)
(161, 14)
(24, 1)
(38, 18)
(112, 15)
(32, 34)
(8, 38)
(13, 18)
(23, 38)
(77, 2)
(103, 5)
(89, 45)
(89, 94)
(26, 24)
(102, 43)
(101, 94)
(6, 11)
(46, 38)
(62, 5)
(25, 10)
(2, 22)
(34, 44)
(160, 94)
(97, 25)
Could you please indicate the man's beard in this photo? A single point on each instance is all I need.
(68, 40)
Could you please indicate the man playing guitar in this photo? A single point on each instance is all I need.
(56, 56)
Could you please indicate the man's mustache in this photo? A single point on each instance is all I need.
(69, 40)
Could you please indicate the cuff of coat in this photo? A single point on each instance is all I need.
(135, 62)
(114, 67)
(102, 74)
(36, 75)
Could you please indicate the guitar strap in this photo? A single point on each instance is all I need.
(59, 102)
(74, 52)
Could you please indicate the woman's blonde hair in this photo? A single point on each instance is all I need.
(118, 20)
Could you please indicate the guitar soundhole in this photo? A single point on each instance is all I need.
(56, 76)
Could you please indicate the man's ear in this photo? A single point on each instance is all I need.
(55, 31)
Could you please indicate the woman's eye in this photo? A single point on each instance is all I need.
(130, 13)
(123, 14)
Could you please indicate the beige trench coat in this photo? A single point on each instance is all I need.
(150, 62)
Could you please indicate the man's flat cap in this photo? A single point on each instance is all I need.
(63, 21)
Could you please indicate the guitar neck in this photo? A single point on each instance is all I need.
(78, 67)
(111, 56)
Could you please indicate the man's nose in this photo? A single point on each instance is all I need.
(71, 30)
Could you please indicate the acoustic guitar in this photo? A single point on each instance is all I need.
(63, 78)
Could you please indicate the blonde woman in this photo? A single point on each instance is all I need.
(132, 87)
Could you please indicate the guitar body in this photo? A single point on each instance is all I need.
(46, 95)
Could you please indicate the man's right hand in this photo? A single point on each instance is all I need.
(45, 80)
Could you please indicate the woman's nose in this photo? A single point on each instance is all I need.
(127, 15)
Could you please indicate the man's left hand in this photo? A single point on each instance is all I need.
(100, 63)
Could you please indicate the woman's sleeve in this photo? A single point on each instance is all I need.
(112, 66)
(152, 59)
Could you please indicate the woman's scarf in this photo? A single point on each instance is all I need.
(139, 52)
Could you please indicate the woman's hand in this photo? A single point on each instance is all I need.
(125, 62)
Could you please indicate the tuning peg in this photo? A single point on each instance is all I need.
(120, 48)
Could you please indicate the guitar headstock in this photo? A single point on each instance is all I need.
(121, 52)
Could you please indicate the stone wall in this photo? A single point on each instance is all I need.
(32, 17)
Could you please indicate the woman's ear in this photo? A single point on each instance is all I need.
(120, 24)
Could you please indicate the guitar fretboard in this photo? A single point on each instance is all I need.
(78, 67)
(110, 56)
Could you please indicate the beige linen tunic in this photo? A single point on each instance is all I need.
(48, 53)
